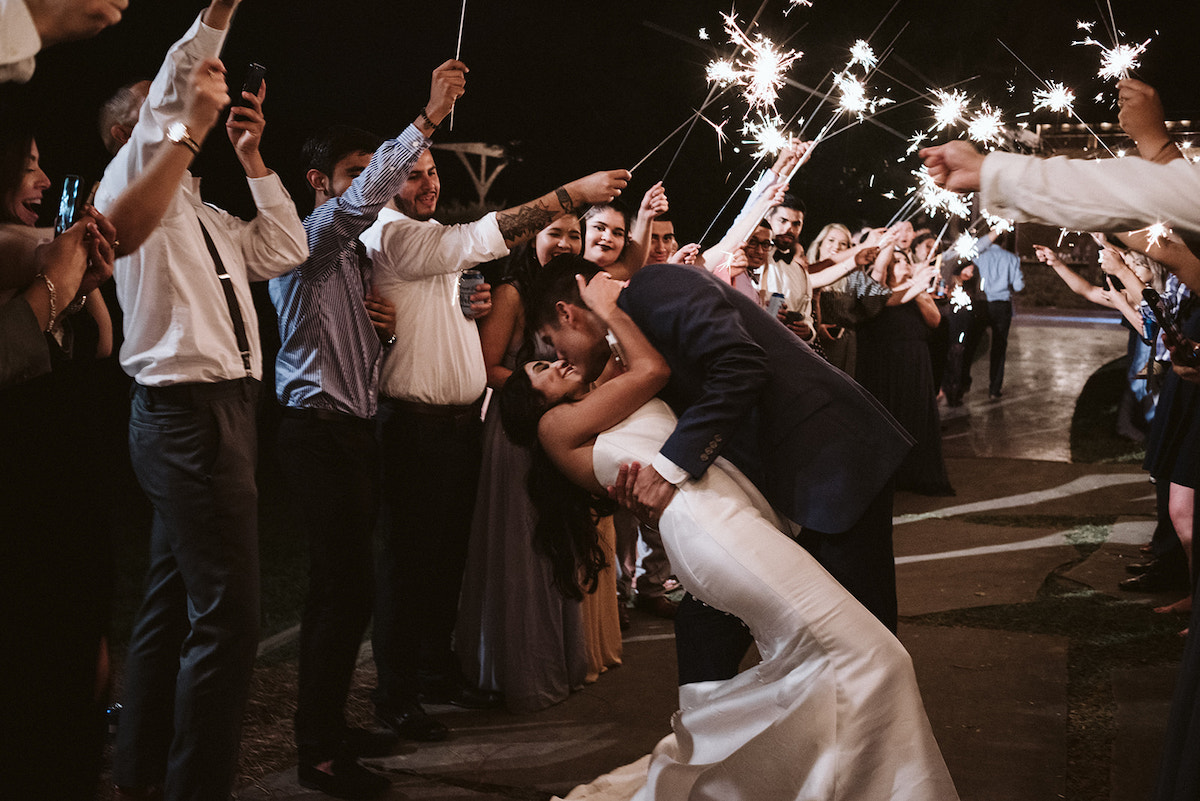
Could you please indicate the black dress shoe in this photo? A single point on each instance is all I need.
(412, 723)
(345, 779)
(1138, 568)
(461, 695)
(369, 743)
(1153, 581)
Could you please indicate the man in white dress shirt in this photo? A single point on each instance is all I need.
(432, 383)
(192, 346)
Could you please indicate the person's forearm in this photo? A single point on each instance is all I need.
(1074, 281)
(1092, 195)
(219, 13)
(139, 209)
(523, 222)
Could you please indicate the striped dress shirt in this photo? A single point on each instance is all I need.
(329, 354)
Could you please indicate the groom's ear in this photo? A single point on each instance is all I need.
(564, 313)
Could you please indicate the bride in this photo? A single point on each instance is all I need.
(832, 712)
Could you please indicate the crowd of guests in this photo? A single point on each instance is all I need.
(388, 364)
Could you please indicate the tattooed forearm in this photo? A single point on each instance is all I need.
(564, 200)
(522, 222)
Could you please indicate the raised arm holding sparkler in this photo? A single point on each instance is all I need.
(766, 192)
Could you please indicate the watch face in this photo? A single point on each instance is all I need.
(177, 131)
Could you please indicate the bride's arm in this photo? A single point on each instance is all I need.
(575, 425)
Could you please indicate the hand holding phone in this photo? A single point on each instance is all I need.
(253, 84)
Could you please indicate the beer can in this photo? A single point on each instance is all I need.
(775, 303)
(467, 284)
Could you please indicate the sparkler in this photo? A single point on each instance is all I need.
(462, 17)
(949, 108)
(1116, 61)
(861, 53)
(1055, 97)
(760, 72)
(966, 246)
(767, 134)
(1156, 233)
(985, 126)
(959, 299)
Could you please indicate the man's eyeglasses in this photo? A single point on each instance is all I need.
(759, 244)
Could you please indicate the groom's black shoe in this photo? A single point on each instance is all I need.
(459, 693)
(411, 722)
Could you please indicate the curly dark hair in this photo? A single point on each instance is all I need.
(565, 532)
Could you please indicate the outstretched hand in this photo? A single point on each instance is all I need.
(1142, 116)
(654, 202)
(686, 254)
(954, 165)
(448, 84)
(599, 187)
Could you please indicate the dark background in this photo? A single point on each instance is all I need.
(584, 86)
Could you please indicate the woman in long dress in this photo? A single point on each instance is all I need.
(894, 365)
(516, 633)
(833, 711)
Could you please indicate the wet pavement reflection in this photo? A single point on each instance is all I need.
(1051, 355)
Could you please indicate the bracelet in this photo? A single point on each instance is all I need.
(431, 123)
(53, 300)
(75, 306)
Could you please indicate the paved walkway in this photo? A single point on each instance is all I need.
(998, 700)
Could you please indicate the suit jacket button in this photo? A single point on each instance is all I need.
(704, 457)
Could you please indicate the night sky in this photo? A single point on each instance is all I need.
(576, 87)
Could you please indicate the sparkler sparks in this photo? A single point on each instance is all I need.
(985, 126)
(768, 134)
(793, 4)
(722, 72)
(937, 199)
(959, 299)
(1055, 97)
(1116, 62)
(949, 108)
(966, 246)
(761, 70)
(703, 34)
(915, 142)
(862, 53)
(1157, 232)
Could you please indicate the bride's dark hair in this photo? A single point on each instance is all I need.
(565, 532)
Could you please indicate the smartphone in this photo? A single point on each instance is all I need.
(68, 204)
(253, 83)
(1188, 357)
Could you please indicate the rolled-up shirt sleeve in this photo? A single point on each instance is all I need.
(1092, 195)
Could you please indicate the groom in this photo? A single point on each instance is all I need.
(815, 443)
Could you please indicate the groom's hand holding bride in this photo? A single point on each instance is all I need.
(643, 492)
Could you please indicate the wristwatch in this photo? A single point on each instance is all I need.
(178, 133)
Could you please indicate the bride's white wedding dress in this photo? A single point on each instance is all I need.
(832, 713)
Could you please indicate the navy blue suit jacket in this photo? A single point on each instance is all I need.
(817, 445)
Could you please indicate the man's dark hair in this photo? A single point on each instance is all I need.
(789, 201)
(323, 151)
(555, 282)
